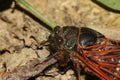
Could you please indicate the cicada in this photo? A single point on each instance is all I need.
(87, 49)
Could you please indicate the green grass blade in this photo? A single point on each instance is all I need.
(113, 4)
(36, 13)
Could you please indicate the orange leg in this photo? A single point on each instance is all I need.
(77, 69)
(2, 73)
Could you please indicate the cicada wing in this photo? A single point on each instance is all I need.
(109, 63)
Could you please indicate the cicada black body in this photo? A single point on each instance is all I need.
(86, 48)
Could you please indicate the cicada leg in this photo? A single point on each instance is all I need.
(2, 73)
(4, 70)
(77, 68)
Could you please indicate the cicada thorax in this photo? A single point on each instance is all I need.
(90, 48)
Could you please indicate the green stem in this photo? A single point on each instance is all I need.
(36, 13)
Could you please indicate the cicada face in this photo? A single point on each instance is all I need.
(62, 42)
(88, 48)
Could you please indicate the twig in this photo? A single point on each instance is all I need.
(29, 70)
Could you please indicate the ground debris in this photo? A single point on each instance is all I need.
(29, 70)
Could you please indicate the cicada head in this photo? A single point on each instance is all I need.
(64, 38)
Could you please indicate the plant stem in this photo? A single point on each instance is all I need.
(36, 13)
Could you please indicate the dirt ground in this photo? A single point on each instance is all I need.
(20, 34)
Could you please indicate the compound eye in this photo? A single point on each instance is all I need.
(71, 43)
(87, 39)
